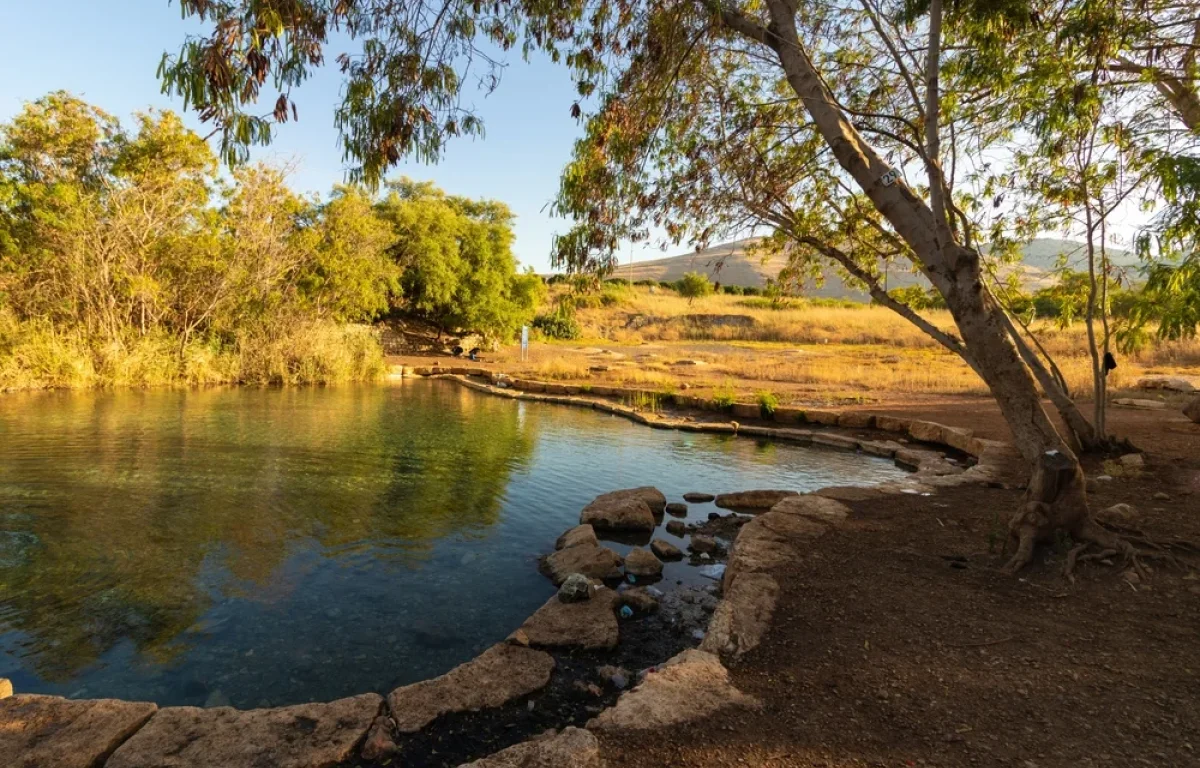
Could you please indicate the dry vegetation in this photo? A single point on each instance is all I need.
(804, 352)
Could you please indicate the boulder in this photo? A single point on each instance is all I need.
(764, 499)
(1133, 460)
(499, 675)
(815, 507)
(698, 498)
(653, 497)
(609, 513)
(592, 561)
(1119, 514)
(1192, 410)
(676, 527)
(572, 748)
(300, 736)
(640, 562)
(580, 534)
(40, 731)
(690, 686)
(676, 509)
(1169, 383)
(590, 624)
(379, 744)
(6, 688)
(617, 677)
(639, 600)
(665, 550)
(743, 615)
(575, 589)
(702, 544)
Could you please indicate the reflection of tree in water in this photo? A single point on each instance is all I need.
(146, 509)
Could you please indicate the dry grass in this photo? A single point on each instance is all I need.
(803, 353)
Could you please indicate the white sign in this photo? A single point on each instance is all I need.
(524, 342)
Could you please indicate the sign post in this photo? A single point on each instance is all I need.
(524, 343)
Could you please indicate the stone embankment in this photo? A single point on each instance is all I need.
(585, 617)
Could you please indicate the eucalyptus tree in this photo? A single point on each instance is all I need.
(850, 128)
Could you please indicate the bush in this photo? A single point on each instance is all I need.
(750, 290)
(732, 290)
(559, 324)
(694, 285)
(724, 397)
(767, 403)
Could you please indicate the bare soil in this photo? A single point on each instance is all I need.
(898, 642)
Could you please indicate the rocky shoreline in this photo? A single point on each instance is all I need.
(606, 653)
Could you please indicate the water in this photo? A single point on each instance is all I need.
(271, 546)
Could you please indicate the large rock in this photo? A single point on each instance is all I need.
(743, 615)
(590, 624)
(1169, 383)
(639, 599)
(594, 562)
(698, 498)
(665, 550)
(608, 513)
(301, 736)
(752, 499)
(677, 509)
(42, 731)
(1192, 410)
(573, 748)
(690, 686)
(580, 535)
(677, 527)
(653, 498)
(497, 676)
(640, 562)
(814, 507)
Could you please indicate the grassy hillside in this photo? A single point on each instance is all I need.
(733, 264)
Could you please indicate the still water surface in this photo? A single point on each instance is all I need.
(272, 546)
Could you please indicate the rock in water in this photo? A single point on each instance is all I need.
(593, 562)
(575, 589)
(1192, 410)
(677, 509)
(703, 544)
(614, 511)
(579, 535)
(591, 624)
(639, 562)
(665, 550)
(698, 498)
(618, 514)
(676, 527)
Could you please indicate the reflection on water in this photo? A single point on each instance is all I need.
(270, 546)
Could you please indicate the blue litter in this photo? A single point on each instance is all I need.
(626, 612)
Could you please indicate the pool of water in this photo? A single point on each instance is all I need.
(272, 546)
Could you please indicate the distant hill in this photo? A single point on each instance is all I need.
(732, 264)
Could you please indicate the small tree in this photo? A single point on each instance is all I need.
(694, 285)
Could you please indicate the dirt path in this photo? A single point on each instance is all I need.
(897, 642)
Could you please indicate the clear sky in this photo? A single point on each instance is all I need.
(107, 52)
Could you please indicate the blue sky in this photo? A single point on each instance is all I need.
(108, 53)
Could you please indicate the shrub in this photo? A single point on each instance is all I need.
(750, 290)
(559, 324)
(724, 397)
(732, 290)
(694, 285)
(767, 403)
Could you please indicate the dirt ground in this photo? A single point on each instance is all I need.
(898, 643)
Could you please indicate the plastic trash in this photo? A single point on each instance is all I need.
(631, 577)
(655, 591)
(716, 571)
(626, 612)
(698, 634)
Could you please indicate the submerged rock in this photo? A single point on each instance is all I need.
(676, 527)
(677, 509)
(593, 562)
(639, 562)
(703, 544)
(698, 498)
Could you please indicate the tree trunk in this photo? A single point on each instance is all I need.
(1056, 498)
